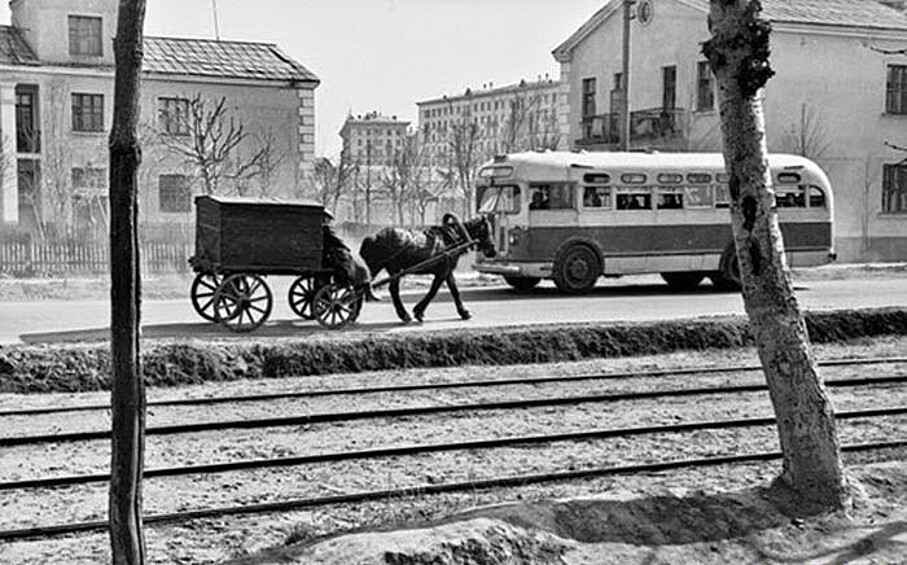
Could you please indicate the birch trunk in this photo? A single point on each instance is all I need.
(128, 392)
(738, 54)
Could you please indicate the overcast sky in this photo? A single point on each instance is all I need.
(386, 55)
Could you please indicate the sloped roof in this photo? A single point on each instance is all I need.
(858, 14)
(13, 49)
(222, 59)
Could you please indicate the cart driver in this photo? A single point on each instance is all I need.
(348, 270)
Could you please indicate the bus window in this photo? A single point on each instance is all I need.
(699, 196)
(669, 198)
(790, 197)
(551, 196)
(504, 199)
(596, 197)
(634, 199)
(699, 178)
(816, 197)
(722, 196)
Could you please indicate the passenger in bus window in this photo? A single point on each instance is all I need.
(670, 201)
(540, 200)
(591, 198)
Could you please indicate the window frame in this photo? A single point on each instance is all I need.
(896, 90)
(894, 189)
(86, 40)
(183, 200)
(705, 88)
(87, 118)
(170, 123)
(587, 104)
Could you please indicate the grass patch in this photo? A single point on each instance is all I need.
(80, 368)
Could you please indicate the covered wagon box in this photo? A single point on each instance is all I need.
(252, 235)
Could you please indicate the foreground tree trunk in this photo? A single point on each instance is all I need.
(128, 392)
(738, 54)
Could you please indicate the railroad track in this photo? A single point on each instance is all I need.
(472, 445)
(438, 386)
(44, 532)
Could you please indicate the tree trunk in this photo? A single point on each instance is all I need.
(738, 55)
(128, 393)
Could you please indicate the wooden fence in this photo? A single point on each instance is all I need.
(38, 258)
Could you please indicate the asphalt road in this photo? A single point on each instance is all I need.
(637, 299)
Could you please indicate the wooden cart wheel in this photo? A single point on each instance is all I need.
(242, 302)
(302, 296)
(202, 294)
(337, 306)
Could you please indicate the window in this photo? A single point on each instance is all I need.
(174, 193)
(894, 189)
(173, 116)
(596, 197)
(634, 198)
(705, 94)
(588, 97)
(896, 97)
(790, 197)
(85, 36)
(551, 196)
(669, 92)
(87, 112)
(699, 196)
(89, 179)
(26, 121)
(669, 198)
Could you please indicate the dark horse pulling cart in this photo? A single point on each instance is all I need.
(239, 241)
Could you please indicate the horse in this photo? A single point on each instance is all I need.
(402, 252)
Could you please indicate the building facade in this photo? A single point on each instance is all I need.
(373, 139)
(56, 107)
(839, 97)
(492, 120)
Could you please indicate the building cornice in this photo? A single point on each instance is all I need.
(108, 73)
(493, 92)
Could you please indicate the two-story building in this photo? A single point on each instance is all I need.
(56, 106)
(839, 97)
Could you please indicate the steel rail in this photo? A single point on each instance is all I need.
(45, 532)
(438, 386)
(333, 417)
(480, 444)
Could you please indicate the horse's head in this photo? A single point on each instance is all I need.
(480, 231)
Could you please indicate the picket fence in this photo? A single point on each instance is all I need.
(39, 258)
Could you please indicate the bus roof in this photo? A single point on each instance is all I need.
(540, 164)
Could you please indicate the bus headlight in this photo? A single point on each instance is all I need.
(514, 236)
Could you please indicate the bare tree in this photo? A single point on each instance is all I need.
(128, 390)
(212, 145)
(528, 125)
(808, 137)
(463, 156)
(738, 53)
(401, 178)
(333, 181)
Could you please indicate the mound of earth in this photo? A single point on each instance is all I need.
(758, 525)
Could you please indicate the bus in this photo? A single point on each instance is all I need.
(574, 217)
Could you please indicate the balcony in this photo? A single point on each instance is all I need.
(655, 128)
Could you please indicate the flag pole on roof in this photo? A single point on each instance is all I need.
(216, 26)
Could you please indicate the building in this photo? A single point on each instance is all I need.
(56, 107)
(372, 139)
(516, 117)
(839, 97)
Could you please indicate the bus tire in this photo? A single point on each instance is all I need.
(683, 280)
(728, 275)
(576, 269)
(522, 283)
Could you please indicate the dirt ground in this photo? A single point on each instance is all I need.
(709, 515)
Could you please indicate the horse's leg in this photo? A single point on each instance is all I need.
(398, 304)
(455, 293)
(419, 309)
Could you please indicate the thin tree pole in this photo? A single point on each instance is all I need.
(738, 54)
(128, 392)
(625, 76)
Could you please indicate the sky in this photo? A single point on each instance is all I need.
(385, 55)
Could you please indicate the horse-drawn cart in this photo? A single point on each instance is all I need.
(239, 241)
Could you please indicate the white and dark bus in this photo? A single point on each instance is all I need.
(574, 217)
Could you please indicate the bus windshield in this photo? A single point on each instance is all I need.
(502, 199)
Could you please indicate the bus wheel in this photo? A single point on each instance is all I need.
(728, 278)
(683, 281)
(576, 270)
(523, 283)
